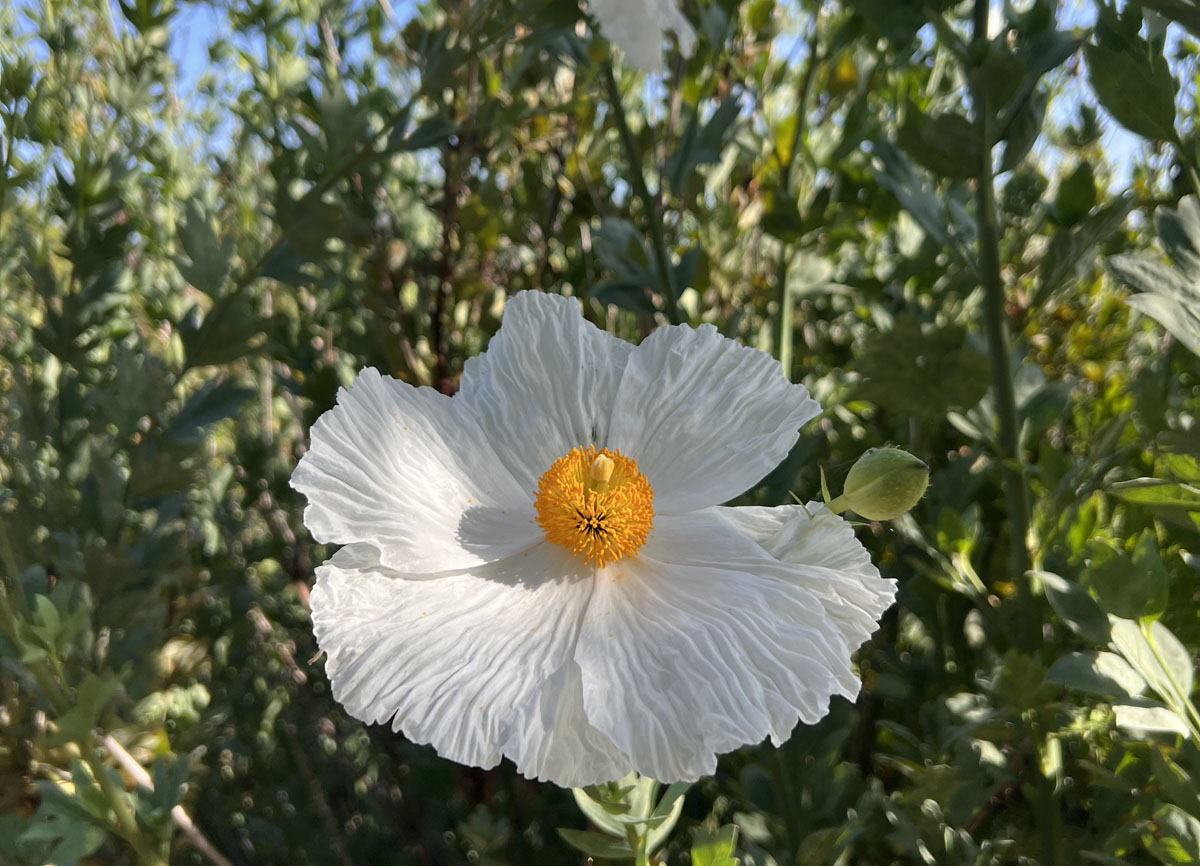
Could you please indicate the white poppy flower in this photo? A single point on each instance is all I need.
(539, 568)
(638, 28)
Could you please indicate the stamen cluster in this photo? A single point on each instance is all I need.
(596, 504)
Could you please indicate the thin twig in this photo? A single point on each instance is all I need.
(331, 49)
(130, 765)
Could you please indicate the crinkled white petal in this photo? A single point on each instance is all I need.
(555, 742)
(638, 27)
(705, 417)
(827, 559)
(545, 385)
(700, 645)
(409, 471)
(461, 661)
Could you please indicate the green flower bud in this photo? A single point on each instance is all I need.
(884, 483)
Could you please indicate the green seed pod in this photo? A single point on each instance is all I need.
(884, 483)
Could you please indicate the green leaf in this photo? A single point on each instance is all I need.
(628, 296)
(1152, 574)
(896, 22)
(1176, 838)
(1179, 464)
(898, 365)
(1185, 12)
(1179, 234)
(701, 144)
(207, 263)
(1022, 133)
(287, 264)
(715, 848)
(88, 792)
(91, 698)
(1135, 85)
(1076, 195)
(1071, 248)
(665, 815)
(620, 248)
(1180, 788)
(915, 196)
(946, 144)
(597, 844)
(1148, 717)
(430, 133)
(1155, 653)
(311, 222)
(686, 268)
(1099, 673)
(1130, 587)
(60, 819)
(1180, 318)
(214, 401)
(1167, 295)
(1048, 50)
(1074, 606)
(1151, 276)
(224, 334)
(1157, 493)
(46, 621)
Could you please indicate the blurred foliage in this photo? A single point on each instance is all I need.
(190, 268)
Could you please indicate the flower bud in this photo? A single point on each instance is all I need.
(884, 483)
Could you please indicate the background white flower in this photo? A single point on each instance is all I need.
(638, 28)
(459, 610)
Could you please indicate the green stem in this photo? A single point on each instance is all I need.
(637, 835)
(787, 803)
(1012, 467)
(1049, 819)
(787, 300)
(787, 318)
(649, 203)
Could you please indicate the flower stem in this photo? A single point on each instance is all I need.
(636, 834)
(1013, 481)
(650, 204)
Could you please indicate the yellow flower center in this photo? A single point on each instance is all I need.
(595, 503)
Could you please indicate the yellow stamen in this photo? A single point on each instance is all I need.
(596, 504)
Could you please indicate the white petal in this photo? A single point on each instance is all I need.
(697, 646)
(827, 560)
(545, 385)
(455, 661)
(704, 417)
(556, 743)
(407, 470)
(637, 27)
